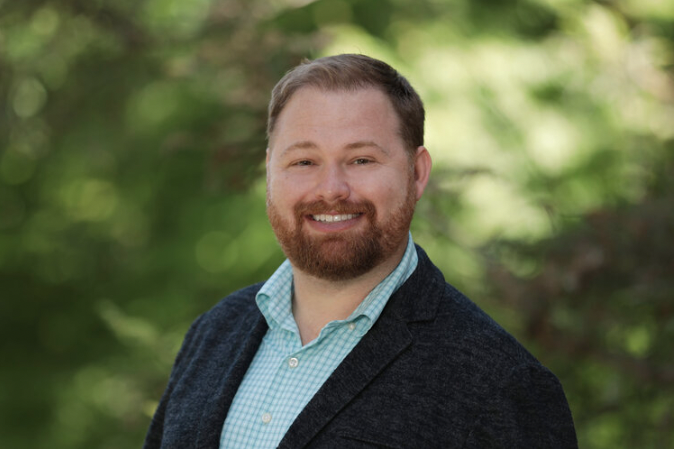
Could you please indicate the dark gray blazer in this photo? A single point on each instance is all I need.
(434, 371)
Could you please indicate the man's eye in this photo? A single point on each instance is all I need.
(303, 163)
(362, 161)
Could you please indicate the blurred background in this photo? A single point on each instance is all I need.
(132, 189)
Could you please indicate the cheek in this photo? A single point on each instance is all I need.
(283, 190)
(294, 185)
(393, 196)
(381, 190)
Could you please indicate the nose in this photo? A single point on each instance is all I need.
(332, 185)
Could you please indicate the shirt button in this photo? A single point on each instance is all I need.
(293, 362)
(266, 418)
(352, 326)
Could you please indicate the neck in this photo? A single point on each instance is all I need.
(318, 301)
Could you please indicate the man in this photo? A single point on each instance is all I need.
(356, 340)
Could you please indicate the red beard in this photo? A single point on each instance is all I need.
(344, 255)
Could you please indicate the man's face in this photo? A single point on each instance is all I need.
(341, 188)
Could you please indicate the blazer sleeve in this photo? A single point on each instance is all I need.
(529, 410)
(153, 439)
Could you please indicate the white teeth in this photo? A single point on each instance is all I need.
(333, 218)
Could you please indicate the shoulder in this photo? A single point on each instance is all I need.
(490, 379)
(473, 329)
(236, 304)
(233, 307)
(457, 328)
(226, 319)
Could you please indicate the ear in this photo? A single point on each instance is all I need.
(422, 170)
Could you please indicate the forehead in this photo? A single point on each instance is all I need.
(311, 110)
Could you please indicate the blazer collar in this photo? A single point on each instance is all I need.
(419, 297)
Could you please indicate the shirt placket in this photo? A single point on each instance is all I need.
(273, 411)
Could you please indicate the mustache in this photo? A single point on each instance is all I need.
(364, 207)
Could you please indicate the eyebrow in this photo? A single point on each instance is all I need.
(301, 145)
(307, 144)
(366, 143)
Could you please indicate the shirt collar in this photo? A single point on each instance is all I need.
(375, 301)
(275, 297)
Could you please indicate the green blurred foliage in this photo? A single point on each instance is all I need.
(132, 191)
(596, 300)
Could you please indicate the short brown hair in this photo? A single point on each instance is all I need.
(353, 72)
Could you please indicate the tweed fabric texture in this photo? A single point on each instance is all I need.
(434, 371)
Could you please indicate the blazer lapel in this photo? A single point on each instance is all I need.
(381, 345)
(215, 409)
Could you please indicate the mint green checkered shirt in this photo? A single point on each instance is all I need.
(285, 375)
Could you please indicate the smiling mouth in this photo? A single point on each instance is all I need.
(325, 218)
